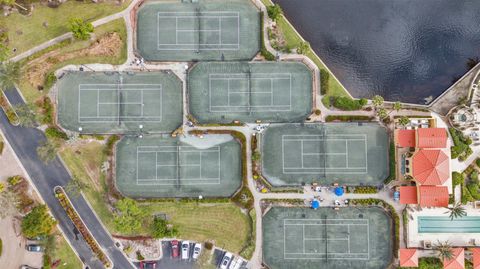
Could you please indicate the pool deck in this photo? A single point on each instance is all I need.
(416, 239)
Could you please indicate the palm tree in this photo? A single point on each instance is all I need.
(377, 101)
(444, 250)
(303, 47)
(382, 113)
(26, 115)
(75, 186)
(397, 106)
(47, 151)
(403, 121)
(10, 73)
(456, 211)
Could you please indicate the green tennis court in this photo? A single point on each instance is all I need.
(204, 30)
(326, 238)
(271, 92)
(99, 102)
(344, 153)
(162, 166)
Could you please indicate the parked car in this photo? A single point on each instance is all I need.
(197, 249)
(236, 263)
(27, 267)
(174, 244)
(185, 250)
(34, 248)
(226, 260)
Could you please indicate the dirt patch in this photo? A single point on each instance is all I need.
(107, 45)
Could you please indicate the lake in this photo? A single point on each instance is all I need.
(404, 50)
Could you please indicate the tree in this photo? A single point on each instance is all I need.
(129, 217)
(377, 101)
(75, 186)
(26, 115)
(80, 29)
(444, 250)
(456, 211)
(47, 151)
(382, 113)
(38, 222)
(303, 47)
(160, 229)
(397, 106)
(10, 73)
(403, 121)
(274, 12)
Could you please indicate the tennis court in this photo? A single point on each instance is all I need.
(344, 153)
(206, 30)
(119, 102)
(271, 92)
(325, 238)
(162, 166)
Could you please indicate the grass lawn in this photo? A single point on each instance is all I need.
(222, 222)
(63, 252)
(91, 157)
(65, 50)
(293, 39)
(25, 32)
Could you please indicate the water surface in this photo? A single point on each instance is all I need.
(402, 49)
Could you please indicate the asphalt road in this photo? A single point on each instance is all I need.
(24, 142)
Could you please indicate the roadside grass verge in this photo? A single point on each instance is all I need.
(38, 67)
(64, 253)
(25, 32)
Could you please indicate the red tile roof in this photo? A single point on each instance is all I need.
(431, 167)
(436, 196)
(408, 257)
(457, 261)
(432, 138)
(408, 195)
(476, 258)
(406, 138)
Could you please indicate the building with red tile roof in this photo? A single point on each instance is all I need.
(408, 195)
(405, 138)
(476, 258)
(430, 166)
(432, 138)
(457, 261)
(408, 257)
(436, 196)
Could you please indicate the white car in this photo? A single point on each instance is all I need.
(226, 260)
(185, 250)
(197, 249)
(236, 263)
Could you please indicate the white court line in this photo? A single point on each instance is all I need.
(330, 255)
(113, 88)
(228, 108)
(204, 15)
(322, 138)
(184, 181)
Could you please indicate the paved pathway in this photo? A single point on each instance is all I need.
(24, 142)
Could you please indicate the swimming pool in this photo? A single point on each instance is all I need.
(446, 225)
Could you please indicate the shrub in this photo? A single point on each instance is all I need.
(55, 133)
(108, 150)
(363, 102)
(80, 29)
(346, 103)
(274, 12)
(457, 178)
(331, 118)
(50, 79)
(140, 256)
(12, 181)
(318, 112)
(160, 228)
(365, 189)
(324, 79)
(46, 109)
(1, 147)
(477, 161)
(208, 245)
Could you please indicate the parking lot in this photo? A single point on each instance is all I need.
(170, 262)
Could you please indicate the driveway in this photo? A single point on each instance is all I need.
(24, 142)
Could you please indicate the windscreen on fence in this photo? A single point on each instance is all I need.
(271, 92)
(206, 30)
(325, 153)
(112, 102)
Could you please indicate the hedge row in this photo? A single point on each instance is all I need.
(392, 164)
(348, 118)
(347, 103)
(263, 50)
